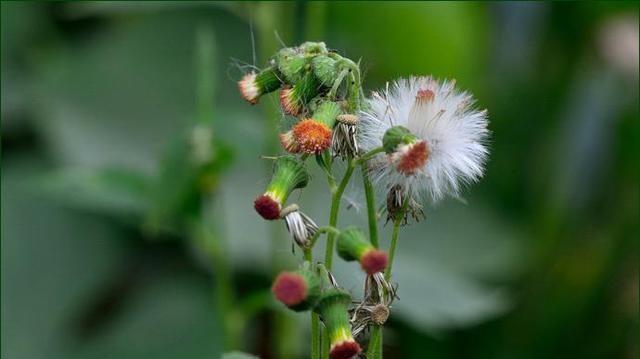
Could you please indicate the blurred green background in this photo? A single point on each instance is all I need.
(99, 106)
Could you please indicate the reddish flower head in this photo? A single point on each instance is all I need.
(290, 288)
(267, 207)
(373, 261)
(345, 350)
(312, 136)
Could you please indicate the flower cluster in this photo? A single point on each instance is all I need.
(420, 139)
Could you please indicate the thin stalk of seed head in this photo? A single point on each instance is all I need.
(375, 341)
(369, 155)
(321, 230)
(394, 238)
(372, 217)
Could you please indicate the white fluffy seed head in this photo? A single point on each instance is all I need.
(455, 134)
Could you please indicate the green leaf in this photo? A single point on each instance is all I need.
(112, 191)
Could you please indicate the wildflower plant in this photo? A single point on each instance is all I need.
(416, 141)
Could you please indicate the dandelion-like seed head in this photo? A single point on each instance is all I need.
(434, 139)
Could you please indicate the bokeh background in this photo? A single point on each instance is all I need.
(103, 105)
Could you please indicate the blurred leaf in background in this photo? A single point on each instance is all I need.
(99, 100)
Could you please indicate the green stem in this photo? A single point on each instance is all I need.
(367, 156)
(375, 343)
(371, 207)
(394, 243)
(323, 229)
(333, 215)
(333, 221)
(315, 322)
(375, 340)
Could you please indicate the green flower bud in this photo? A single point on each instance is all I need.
(292, 64)
(333, 309)
(313, 48)
(299, 290)
(397, 136)
(288, 174)
(324, 68)
(253, 85)
(352, 245)
(292, 99)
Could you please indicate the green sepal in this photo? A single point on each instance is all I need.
(326, 112)
(396, 136)
(313, 48)
(289, 173)
(324, 68)
(268, 80)
(306, 89)
(292, 64)
(352, 244)
(333, 308)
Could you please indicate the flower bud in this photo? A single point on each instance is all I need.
(313, 48)
(332, 307)
(352, 245)
(288, 175)
(324, 68)
(405, 149)
(297, 290)
(253, 85)
(291, 64)
(293, 98)
(313, 135)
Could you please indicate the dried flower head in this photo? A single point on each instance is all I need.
(300, 226)
(375, 306)
(344, 142)
(434, 140)
(289, 174)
